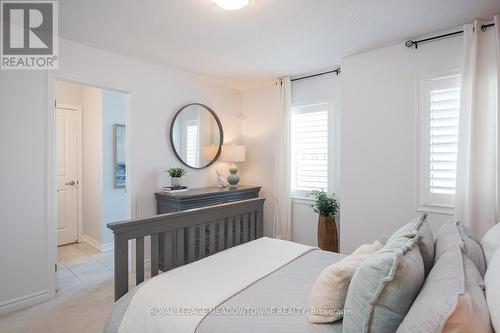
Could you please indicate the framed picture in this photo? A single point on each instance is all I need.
(119, 156)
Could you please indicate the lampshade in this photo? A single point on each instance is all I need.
(233, 153)
(208, 152)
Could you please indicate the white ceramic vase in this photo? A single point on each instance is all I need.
(175, 181)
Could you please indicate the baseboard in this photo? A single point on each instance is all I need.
(24, 302)
(103, 247)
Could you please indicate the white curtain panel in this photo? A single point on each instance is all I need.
(478, 181)
(282, 166)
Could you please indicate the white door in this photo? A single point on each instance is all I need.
(68, 125)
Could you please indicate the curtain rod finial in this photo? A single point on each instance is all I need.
(410, 43)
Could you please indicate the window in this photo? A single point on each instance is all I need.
(191, 142)
(309, 148)
(440, 109)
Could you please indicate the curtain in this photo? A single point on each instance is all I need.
(477, 192)
(282, 167)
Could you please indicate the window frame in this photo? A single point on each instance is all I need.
(305, 106)
(427, 201)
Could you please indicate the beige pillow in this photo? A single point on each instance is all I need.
(330, 289)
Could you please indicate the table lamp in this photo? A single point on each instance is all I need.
(233, 154)
(208, 153)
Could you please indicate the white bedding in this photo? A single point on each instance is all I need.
(177, 301)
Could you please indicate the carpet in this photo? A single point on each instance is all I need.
(83, 310)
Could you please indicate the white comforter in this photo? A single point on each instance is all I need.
(177, 301)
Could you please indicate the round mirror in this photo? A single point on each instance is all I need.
(196, 136)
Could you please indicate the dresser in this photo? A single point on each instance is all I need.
(167, 202)
(201, 197)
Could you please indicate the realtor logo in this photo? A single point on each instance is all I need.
(29, 35)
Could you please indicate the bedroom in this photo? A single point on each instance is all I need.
(168, 54)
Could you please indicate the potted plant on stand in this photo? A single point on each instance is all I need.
(175, 176)
(327, 207)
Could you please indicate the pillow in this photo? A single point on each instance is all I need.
(330, 289)
(426, 245)
(470, 311)
(456, 234)
(492, 284)
(426, 241)
(384, 286)
(451, 300)
(491, 242)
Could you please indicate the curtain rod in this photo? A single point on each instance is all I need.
(336, 71)
(415, 43)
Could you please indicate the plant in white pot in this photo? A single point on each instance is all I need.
(176, 175)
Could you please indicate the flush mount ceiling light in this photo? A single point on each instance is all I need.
(231, 4)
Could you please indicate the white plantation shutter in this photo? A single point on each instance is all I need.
(191, 142)
(440, 111)
(310, 147)
(445, 106)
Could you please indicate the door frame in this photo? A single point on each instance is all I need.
(79, 223)
(51, 254)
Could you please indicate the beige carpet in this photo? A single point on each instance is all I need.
(82, 310)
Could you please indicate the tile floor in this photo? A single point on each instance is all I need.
(80, 264)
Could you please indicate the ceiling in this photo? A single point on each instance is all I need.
(266, 39)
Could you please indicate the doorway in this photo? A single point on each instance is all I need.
(91, 177)
(68, 174)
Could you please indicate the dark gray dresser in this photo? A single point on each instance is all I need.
(200, 197)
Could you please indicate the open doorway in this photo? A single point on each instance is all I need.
(91, 176)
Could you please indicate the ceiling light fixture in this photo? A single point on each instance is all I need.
(231, 4)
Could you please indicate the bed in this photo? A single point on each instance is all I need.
(223, 276)
(236, 280)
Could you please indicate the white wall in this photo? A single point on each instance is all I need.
(114, 204)
(155, 94)
(23, 183)
(69, 94)
(92, 163)
(379, 137)
(258, 134)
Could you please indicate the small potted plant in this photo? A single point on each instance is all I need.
(327, 207)
(175, 175)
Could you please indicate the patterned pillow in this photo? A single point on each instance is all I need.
(383, 288)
